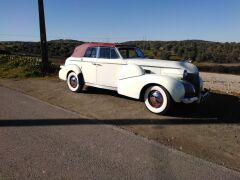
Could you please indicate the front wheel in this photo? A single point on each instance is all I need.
(157, 100)
(75, 82)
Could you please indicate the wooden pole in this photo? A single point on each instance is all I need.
(44, 50)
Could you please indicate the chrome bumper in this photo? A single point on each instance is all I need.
(203, 97)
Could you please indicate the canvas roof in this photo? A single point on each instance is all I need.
(80, 50)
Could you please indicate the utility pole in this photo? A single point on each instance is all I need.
(44, 50)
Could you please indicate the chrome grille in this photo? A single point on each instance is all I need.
(194, 79)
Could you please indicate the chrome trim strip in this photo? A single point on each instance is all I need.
(131, 77)
(159, 67)
(77, 60)
(110, 63)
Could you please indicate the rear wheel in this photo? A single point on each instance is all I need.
(75, 82)
(157, 99)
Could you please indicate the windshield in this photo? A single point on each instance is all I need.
(131, 52)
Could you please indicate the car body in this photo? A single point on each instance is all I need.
(123, 68)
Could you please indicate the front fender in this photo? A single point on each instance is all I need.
(68, 68)
(132, 87)
(130, 71)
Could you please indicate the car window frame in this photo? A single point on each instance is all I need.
(135, 47)
(118, 57)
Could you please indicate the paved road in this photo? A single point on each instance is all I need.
(41, 141)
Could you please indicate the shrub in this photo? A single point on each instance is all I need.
(19, 66)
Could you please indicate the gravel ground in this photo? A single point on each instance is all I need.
(226, 83)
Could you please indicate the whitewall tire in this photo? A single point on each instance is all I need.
(157, 100)
(75, 82)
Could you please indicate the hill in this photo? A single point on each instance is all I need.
(56, 48)
(198, 50)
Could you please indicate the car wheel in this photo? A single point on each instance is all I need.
(157, 100)
(75, 82)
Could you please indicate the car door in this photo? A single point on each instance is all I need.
(109, 66)
(89, 65)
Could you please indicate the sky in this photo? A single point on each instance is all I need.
(124, 20)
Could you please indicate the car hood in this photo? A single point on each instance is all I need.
(155, 63)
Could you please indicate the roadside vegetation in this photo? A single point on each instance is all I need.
(197, 50)
(14, 66)
(208, 56)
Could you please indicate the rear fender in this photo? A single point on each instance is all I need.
(65, 70)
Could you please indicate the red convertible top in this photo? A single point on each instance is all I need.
(80, 50)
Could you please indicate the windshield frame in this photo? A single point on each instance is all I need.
(139, 53)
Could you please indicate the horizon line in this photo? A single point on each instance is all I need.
(150, 40)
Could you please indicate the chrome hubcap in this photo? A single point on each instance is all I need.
(73, 81)
(155, 99)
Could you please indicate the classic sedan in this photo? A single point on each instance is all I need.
(124, 68)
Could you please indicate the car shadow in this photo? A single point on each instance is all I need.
(219, 106)
(93, 90)
(218, 109)
(117, 122)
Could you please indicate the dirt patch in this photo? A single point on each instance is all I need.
(226, 83)
(210, 131)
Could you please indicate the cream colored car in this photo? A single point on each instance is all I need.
(123, 68)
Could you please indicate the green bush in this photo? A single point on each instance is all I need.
(12, 66)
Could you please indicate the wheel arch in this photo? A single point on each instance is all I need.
(143, 90)
(73, 68)
(69, 73)
(148, 86)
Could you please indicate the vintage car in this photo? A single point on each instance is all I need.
(124, 68)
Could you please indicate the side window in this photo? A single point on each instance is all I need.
(91, 52)
(114, 54)
(104, 53)
(94, 53)
(88, 52)
(124, 53)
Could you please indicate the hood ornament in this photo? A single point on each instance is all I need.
(189, 60)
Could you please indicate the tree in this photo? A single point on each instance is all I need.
(165, 55)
